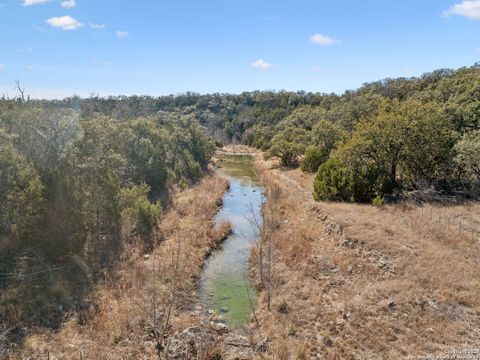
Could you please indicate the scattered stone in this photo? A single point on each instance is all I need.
(183, 344)
(219, 327)
(237, 347)
(146, 256)
(429, 303)
(224, 309)
(350, 243)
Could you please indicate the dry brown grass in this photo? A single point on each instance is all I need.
(134, 301)
(238, 149)
(360, 282)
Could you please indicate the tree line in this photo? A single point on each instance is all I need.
(385, 138)
(76, 189)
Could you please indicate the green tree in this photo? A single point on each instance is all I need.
(21, 198)
(313, 158)
(289, 144)
(468, 156)
(326, 134)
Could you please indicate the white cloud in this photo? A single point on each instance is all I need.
(323, 40)
(408, 70)
(65, 23)
(468, 9)
(316, 68)
(97, 26)
(121, 34)
(2, 66)
(29, 67)
(68, 4)
(261, 64)
(34, 2)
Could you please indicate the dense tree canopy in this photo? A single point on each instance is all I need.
(77, 187)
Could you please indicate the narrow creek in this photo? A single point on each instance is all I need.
(225, 284)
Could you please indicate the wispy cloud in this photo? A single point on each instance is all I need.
(121, 34)
(34, 2)
(468, 9)
(316, 68)
(408, 70)
(65, 23)
(68, 4)
(97, 26)
(2, 66)
(324, 40)
(261, 64)
(29, 67)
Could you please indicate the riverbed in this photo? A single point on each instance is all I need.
(226, 286)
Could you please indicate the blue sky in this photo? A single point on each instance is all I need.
(59, 48)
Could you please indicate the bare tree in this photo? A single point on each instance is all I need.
(21, 90)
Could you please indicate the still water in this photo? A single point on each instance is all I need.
(225, 283)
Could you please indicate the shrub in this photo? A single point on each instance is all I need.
(139, 209)
(21, 196)
(314, 157)
(377, 201)
(337, 181)
(333, 182)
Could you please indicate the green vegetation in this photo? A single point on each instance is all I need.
(78, 188)
(387, 137)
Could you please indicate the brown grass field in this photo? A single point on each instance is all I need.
(360, 282)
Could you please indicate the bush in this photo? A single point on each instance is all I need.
(377, 201)
(336, 181)
(314, 157)
(333, 182)
(21, 196)
(139, 209)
